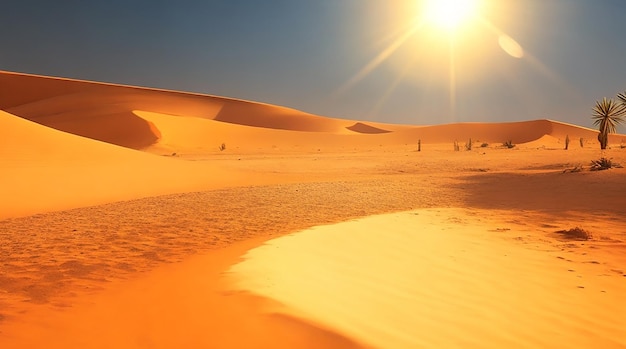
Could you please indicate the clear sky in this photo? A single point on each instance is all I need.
(376, 60)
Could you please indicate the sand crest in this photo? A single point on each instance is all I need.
(122, 207)
(443, 278)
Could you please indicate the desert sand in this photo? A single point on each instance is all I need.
(141, 218)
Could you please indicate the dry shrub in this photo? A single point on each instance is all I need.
(508, 144)
(603, 164)
(575, 234)
(577, 168)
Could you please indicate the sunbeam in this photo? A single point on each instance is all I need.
(446, 43)
(389, 91)
(452, 76)
(380, 58)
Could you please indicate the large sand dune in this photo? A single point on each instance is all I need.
(44, 169)
(121, 215)
(444, 278)
(108, 112)
(104, 111)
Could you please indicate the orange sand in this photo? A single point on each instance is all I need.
(120, 215)
(446, 278)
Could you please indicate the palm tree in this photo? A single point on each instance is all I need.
(622, 98)
(607, 114)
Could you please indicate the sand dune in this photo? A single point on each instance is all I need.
(169, 309)
(106, 112)
(365, 128)
(189, 136)
(474, 263)
(196, 136)
(443, 278)
(44, 169)
(498, 133)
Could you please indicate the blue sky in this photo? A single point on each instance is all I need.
(303, 53)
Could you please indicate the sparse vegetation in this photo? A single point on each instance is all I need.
(603, 164)
(222, 147)
(419, 145)
(582, 142)
(576, 234)
(577, 168)
(607, 114)
(566, 142)
(484, 145)
(508, 144)
(456, 146)
(468, 145)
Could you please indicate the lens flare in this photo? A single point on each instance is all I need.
(444, 45)
(510, 46)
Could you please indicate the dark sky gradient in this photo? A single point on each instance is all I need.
(299, 53)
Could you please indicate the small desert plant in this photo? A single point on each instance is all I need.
(468, 145)
(419, 145)
(566, 142)
(222, 147)
(484, 145)
(577, 168)
(456, 146)
(603, 164)
(582, 142)
(575, 234)
(508, 144)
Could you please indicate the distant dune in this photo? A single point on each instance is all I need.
(120, 115)
(44, 169)
(122, 210)
(365, 128)
(104, 111)
(192, 125)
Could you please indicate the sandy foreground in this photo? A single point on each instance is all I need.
(446, 278)
(124, 225)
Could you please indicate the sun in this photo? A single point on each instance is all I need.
(449, 14)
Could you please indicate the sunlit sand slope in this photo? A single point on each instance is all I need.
(104, 111)
(497, 133)
(108, 112)
(44, 169)
(445, 278)
(189, 135)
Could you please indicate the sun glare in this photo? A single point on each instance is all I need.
(449, 14)
(444, 45)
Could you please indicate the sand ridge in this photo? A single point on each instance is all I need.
(94, 246)
(105, 112)
(443, 278)
(45, 169)
(109, 192)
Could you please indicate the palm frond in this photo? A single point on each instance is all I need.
(607, 113)
(622, 97)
